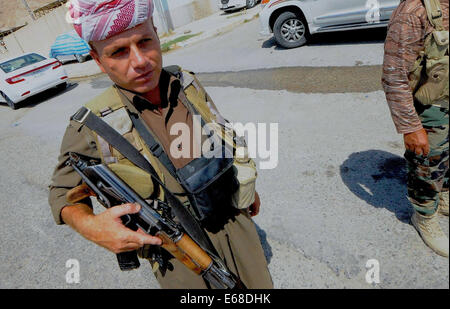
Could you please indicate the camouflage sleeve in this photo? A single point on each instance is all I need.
(77, 139)
(402, 47)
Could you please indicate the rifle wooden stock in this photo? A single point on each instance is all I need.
(188, 253)
(79, 193)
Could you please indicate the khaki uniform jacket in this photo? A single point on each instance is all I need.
(233, 233)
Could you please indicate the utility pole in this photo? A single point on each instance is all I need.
(25, 3)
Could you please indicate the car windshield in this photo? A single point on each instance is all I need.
(21, 62)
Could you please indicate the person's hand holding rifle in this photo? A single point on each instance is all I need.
(125, 228)
(107, 229)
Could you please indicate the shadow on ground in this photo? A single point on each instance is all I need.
(363, 36)
(379, 178)
(265, 245)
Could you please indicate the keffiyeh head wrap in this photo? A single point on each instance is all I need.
(97, 20)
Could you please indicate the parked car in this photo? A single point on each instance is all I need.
(69, 47)
(293, 21)
(27, 75)
(231, 5)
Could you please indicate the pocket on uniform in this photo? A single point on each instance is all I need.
(120, 121)
(436, 86)
(246, 175)
(433, 116)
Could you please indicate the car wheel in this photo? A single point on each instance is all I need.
(8, 101)
(251, 3)
(290, 30)
(79, 58)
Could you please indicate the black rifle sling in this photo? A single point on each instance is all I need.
(192, 227)
(155, 148)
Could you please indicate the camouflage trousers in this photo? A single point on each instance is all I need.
(428, 176)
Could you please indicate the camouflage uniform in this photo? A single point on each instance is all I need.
(413, 108)
(428, 176)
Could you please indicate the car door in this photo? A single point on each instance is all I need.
(387, 7)
(333, 13)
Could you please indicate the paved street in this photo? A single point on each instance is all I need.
(244, 49)
(335, 200)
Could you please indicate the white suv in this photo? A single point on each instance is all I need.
(293, 21)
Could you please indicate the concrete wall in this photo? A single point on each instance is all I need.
(39, 35)
(182, 12)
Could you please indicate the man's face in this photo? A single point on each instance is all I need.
(132, 59)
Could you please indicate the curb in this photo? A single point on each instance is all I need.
(215, 32)
(78, 78)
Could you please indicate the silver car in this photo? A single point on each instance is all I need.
(293, 21)
(231, 5)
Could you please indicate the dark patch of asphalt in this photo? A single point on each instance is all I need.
(355, 79)
(362, 79)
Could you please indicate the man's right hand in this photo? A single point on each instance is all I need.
(417, 142)
(107, 229)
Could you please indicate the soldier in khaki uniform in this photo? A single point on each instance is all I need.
(415, 79)
(127, 48)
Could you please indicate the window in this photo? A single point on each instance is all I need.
(20, 62)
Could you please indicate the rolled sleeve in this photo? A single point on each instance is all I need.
(77, 139)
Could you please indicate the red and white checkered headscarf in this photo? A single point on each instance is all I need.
(97, 20)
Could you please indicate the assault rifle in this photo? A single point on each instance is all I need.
(155, 219)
